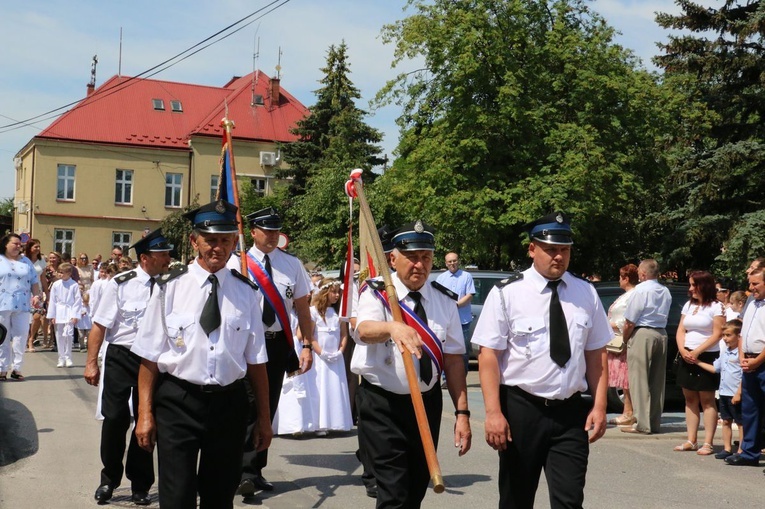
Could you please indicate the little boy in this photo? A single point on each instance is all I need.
(64, 309)
(729, 367)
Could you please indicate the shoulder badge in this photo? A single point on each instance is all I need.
(376, 284)
(441, 288)
(247, 280)
(579, 277)
(173, 274)
(512, 278)
(125, 276)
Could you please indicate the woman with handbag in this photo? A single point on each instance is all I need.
(617, 348)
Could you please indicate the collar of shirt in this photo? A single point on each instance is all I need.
(200, 275)
(539, 282)
(141, 275)
(402, 291)
(259, 255)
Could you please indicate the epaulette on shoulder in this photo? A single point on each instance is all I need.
(512, 278)
(173, 274)
(125, 276)
(247, 280)
(286, 252)
(441, 288)
(580, 277)
(376, 284)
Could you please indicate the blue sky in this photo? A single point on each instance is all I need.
(47, 46)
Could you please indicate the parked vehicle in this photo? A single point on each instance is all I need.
(608, 292)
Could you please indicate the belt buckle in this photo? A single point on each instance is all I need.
(547, 402)
(269, 334)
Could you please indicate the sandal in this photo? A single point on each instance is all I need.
(705, 450)
(17, 376)
(687, 446)
(623, 420)
(30, 350)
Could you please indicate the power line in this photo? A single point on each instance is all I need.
(153, 71)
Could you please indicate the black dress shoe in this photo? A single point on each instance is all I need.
(246, 488)
(140, 498)
(104, 493)
(372, 491)
(740, 461)
(260, 483)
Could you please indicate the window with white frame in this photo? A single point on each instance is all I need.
(213, 186)
(258, 185)
(122, 240)
(173, 183)
(65, 184)
(63, 241)
(123, 188)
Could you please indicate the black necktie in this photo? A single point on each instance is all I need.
(269, 317)
(210, 317)
(560, 349)
(152, 282)
(426, 369)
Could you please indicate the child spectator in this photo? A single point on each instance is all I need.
(736, 304)
(729, 368)
(83, 323)
(64, 309)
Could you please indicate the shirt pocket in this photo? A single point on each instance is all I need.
(581, 330)
(180, 329)
(525, 334)
(132, 312)
(440, 333)
(237, 328)
(286, 288)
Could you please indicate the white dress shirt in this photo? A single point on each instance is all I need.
(753, 328)
(521, 332)
(121, 306)
(649, 304)
(173, 338)
(381, 364)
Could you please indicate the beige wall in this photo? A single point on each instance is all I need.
(93, 214)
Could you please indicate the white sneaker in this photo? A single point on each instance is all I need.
(69, 363)
(60, 363)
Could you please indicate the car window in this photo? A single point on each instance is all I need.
(482, 288)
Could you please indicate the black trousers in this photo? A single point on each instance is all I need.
(390, 442)
(195, 427)
(546, 437)
(120, 385)
(254, 462)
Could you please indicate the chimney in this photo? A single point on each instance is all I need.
(91, 88)
(275, 91)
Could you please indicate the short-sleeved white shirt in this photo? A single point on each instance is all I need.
(121, 306)
(521, 332)
(173, 338)
(381, 364)
(753, 328)
(699, 324)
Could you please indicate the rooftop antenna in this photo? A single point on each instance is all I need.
(257, 100)
(93, 71)
(279, 65)
(119, 66)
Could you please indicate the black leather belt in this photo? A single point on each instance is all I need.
(647, 327)
(207, 389)
(540, 401)
(274, 334)
(750, 355)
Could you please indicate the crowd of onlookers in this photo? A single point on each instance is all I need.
(48, 299)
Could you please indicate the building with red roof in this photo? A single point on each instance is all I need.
(135, 150)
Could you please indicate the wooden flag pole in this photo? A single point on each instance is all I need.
(411, 375)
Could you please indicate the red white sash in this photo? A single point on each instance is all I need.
(431, 344)
(272, 295)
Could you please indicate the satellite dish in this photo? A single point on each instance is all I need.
(284, 241)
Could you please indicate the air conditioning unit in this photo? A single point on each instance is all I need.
(267, 158)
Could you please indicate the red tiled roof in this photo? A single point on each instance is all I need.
(121, 112)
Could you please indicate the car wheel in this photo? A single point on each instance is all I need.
(615, 400)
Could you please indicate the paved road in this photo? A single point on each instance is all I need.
(49, 458)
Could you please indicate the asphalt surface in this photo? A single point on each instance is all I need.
(49, 458)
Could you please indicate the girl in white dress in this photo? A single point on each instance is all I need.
(328, 345)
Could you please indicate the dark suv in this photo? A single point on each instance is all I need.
(608, 292)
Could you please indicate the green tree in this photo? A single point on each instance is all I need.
(333, 140)
(6, 207)
(522, 107)
(717, 156)
(177, 230)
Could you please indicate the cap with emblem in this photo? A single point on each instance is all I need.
(215, 217)
(384, 233)
(551, 229)
(413, 237)
(266, 219)
(153, 242)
